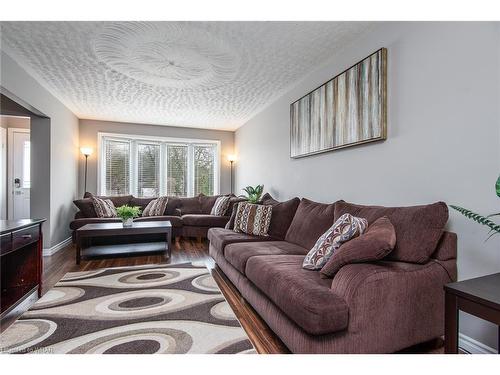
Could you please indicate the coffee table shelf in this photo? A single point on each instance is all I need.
(96, 230)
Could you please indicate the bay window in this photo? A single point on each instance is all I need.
(150, 167)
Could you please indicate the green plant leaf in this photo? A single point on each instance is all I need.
(478, 218)
(497, 186)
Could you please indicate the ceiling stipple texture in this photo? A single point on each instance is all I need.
(214, 75)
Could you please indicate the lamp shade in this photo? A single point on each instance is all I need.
(86, 151)
(231, 158)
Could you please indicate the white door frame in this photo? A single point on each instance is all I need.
(10, 150)
(3, 173)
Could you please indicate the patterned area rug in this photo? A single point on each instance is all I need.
(146, 309)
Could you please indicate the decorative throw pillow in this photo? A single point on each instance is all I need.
(104, 207)
(345, 228)
(220, 206)
(376, 243)
(156, 207)
(253, 219)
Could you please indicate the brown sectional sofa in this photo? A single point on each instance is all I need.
(377, 307)
(190, 217)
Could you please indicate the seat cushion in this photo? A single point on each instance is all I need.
(302, 295)
(418, 228)
(238, 253)
(282, 216)
(174, 220)
(220, 237)
(311, 220)
(203, 220)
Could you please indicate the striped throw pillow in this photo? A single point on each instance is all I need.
(253, 219)
(103, 207)
(220, 206)
(345, 228)
(156, 207)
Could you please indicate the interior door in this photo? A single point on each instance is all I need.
(19, 179)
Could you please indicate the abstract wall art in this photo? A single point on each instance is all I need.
(348, 110)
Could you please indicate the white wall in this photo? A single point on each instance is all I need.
(90, 128)
(443, 137)
(64, 146)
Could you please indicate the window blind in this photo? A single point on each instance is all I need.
(177, 170)
(148, 174)
(117, 167)
(204, 164)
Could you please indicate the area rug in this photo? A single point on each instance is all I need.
(145, 309)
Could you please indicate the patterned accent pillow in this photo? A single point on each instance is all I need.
(344, 229)
(103, 207)
(220, 206)
(253, 219)
(156, 207)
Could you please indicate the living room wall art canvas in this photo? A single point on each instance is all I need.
(348, 110)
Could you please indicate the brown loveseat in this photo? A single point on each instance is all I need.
(377, 307)
(190, 217)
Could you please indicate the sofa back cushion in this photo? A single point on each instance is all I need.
(283, 213)
(207, 203)
(378, 241)
(311, 220)
(418, 228)
(142, 203)
(190, 205)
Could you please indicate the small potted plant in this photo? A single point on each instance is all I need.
(253, 193)
(127, 214)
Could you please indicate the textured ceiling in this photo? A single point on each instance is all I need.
(214, 75)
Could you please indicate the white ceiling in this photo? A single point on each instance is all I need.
(214, 75)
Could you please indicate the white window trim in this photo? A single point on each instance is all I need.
(134, 138)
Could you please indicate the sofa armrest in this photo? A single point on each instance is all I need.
(393, 299)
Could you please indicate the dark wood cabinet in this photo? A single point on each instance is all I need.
(20, 262)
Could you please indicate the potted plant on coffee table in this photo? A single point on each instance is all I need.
(127, 214)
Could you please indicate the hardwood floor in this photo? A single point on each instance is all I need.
(188, 250)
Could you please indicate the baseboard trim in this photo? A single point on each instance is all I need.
(54, 249)
(473, 346)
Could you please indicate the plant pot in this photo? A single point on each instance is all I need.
(127, 222)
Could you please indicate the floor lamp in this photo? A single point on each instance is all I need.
(86, 151)
(231, 159)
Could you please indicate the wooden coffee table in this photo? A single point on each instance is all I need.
(89, 231)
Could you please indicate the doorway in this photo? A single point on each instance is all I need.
(15, 167)
(18, 176)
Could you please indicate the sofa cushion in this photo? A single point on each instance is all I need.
(207, 202)
(174, 220)
(344, 229)
(190, 205)
(302, 295)
(311, 220)
(375, 244)
(142, 203)
(156, 207)
(104, 207)
(86, 207)
(253, 218)
(232, 209)
(220, 206)
(238, 253)
(282, 216)
(418, 228)
(203, 220)
(220, 237)
(118, 200)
